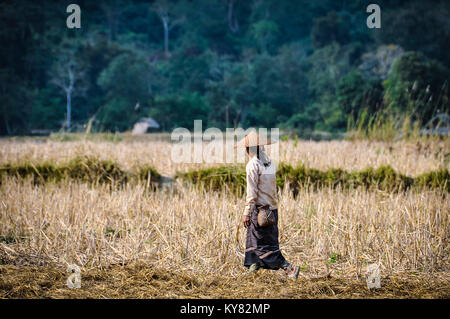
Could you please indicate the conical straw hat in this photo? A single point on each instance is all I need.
(253, 139)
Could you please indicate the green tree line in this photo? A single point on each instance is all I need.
(300, 65)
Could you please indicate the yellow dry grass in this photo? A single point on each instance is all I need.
(195, 234)
(408, 158)
(143, 281)
(134, 243)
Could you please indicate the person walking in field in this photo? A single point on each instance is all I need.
(261, 210)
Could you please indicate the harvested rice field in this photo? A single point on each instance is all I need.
(409, 158)
(179, 240)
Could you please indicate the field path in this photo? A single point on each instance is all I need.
(143, 281)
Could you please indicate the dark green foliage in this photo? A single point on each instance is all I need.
(383, 178)
(355, 92)
(148, 174)
(418, 26)
(291, 64)
(97, 54)
(14, 103)
(305, 121)
(90, 170)
(116, 115)
(230, 178)
(218, 178)
(327, 66)
(48, 109)
(83, 169)
(329, 29)
(179, 111)
(39, 173)
(186, 71)
(436, 179)
(417, 85)
(265, 32)
(126, 83)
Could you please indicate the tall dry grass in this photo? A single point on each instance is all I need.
(197, 232)
(187, 236)
(409, 158)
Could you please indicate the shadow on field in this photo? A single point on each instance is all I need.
(143, 281)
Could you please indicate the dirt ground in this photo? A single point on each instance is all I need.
(143, 281)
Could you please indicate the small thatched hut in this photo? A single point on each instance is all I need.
(144, 125)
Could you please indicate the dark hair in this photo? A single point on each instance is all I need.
(257, 154)
(257, 150)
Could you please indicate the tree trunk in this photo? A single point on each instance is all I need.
(243, 115)
(8, 129)
(227, 114)
(69, 91)
(69, 109)
(166, 35)
(232, 24)
(110, 13)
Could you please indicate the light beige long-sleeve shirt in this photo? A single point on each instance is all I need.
(261, 185)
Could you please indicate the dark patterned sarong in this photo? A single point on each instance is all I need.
(262, 246)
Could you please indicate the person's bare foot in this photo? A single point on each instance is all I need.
(253, 268)
(292, 271)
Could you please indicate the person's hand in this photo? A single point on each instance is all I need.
(246, 221)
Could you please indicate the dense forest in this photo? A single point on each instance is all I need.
(301, 65)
